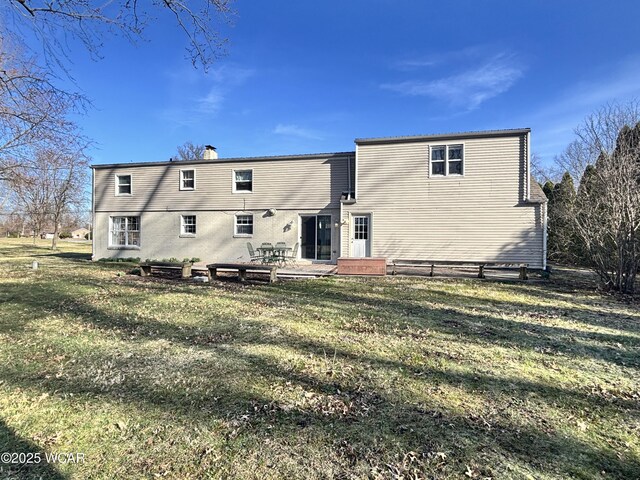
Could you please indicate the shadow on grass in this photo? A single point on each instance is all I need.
(73, 256)
(30, 465)
(368, 419)
(373, 421)
(483, 321)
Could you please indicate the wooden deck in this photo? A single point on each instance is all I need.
(432, 264)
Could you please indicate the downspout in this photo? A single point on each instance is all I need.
(544, 236)
(93, 213)
(340, 228)
(527, 176)
(355, 179)
(348, 179)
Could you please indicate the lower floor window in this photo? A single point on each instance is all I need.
(188, 225)
(244, 225)
(125, 231)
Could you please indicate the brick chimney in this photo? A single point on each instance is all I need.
(210, 152)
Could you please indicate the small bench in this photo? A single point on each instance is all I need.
(185, 267)
(242, 269)
(450, 263)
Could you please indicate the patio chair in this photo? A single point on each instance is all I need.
(266, 250)
(280, 252)
(253, 255)
(292, 257)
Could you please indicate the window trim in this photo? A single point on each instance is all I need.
(446, 160)
(117, 185)
(111, 246)
(235, 225)
(184, 234)
(181, 179)
(233, 180)
(432, 161)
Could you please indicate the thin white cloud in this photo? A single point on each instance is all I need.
(553, 123)
(468, 89)
(198, 96)
(297, 131)
(211, 102)
(618, 83)
(464, 55)
(415, 63)
(231, 74)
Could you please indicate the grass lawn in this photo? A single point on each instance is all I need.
(334, 378)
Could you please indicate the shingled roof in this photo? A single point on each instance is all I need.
(536, 195)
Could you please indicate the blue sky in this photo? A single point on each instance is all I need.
(304, 77)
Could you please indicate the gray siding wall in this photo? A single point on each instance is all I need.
(292, 187)
(214, 241)
(296, 184)
(477, 217)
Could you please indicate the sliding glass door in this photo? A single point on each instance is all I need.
(315, 237)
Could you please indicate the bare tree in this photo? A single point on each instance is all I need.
(32, 197)
(54, 22)
(190, 151)
(598, 133)
(67, 177)
(606, 217)
(33, 111)
(541, 172)
(50, 186)
(9, 217)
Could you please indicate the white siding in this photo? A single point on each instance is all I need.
(477, 217)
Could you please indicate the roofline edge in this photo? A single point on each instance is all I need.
(308, 156)
(443, 136)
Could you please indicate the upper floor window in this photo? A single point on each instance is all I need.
(187, 179)
(243, 181)
(447, 160)
(125, 232)
(244, 225)
(123, 184)
(188, 225)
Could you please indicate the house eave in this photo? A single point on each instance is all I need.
(310, 156)
(442, 136)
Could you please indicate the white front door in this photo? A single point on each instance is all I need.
(361, 236)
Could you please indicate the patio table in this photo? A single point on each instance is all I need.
(273, 254)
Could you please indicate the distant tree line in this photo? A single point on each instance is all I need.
(597, 223)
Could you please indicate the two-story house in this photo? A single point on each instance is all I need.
(458, 197)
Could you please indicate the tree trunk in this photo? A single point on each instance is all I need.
(54, 240)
